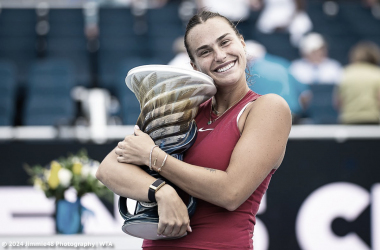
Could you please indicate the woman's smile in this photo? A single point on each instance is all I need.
(225, 67)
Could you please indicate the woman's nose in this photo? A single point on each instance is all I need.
(220, 55)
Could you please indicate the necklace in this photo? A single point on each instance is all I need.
(211, 121)
(213, 109)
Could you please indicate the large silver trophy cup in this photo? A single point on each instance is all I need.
(169, 99)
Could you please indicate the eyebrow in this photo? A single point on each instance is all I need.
(217, 40)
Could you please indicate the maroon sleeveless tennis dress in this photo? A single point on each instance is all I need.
(214, 227)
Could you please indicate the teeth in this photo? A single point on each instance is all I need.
(226, 68)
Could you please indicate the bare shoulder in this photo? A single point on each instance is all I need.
(269, 110)
(271, 101)
(265, 132)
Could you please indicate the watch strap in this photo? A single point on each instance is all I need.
(153, 188)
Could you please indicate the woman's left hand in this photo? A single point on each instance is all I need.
(135, 149)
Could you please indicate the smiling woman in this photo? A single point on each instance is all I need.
(216, 48)
(241, 142)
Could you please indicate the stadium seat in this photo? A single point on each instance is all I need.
(321, 109)
(48, 94)
(54, 74)
(8, 91)
(359, 19)
(68, 23)
(49, 111)
(117, 42)
(18, 39)
(66, 40)
(277, 44)
(164, 26)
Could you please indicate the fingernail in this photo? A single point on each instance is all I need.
(158, 234)
(137, 127)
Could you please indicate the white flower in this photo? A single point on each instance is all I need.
(93, 171)
(95, 163)
(38, 184)
(75, 159)
(64, 176)
(46, 174)
(86, 169)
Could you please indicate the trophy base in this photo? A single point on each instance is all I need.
(145, 230)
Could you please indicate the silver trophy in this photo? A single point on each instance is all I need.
(169, 99)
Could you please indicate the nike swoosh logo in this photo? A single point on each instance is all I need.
(203, 130)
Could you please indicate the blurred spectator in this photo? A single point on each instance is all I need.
(181, 58)
(370, 3)
(148, 4)
(285, 15)
(358, 95)
(237, 10)
(272, 76)
(374, 5)
(151, 4)
(315, 67)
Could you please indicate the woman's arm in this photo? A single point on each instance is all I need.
(130, 181)
(126, 180)
(258, 151)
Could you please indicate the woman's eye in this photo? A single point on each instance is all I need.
(225, 42)
(205, 52)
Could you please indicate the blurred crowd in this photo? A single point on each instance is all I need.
(322, 57)
(352, 90)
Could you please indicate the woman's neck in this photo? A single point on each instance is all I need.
(224, 99)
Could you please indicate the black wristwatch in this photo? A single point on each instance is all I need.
(154, 188)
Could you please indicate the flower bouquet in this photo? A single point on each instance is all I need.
(75, 171)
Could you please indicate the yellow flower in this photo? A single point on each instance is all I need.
(77, 168)
(53, 179)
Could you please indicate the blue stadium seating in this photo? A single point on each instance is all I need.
(48, 95)
(48, 111)
(51, 73)
(247, 28)
(118, 41)
(277, 44)
(321, 109)
(66, 23)
(122, 48)
(66, 40)
(18, 38)
(164, 26)
(8, 88)
(353, 22)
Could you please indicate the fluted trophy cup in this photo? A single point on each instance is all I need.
(169, 98)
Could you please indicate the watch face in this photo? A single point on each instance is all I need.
(148, 204)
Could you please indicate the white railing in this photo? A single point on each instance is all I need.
(81, 133)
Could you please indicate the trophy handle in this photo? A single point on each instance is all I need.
(144, 221)
(123, 209)
(124, 212)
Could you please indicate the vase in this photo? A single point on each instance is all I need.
(68, 216)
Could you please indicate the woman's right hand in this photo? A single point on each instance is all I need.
(173, 215)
